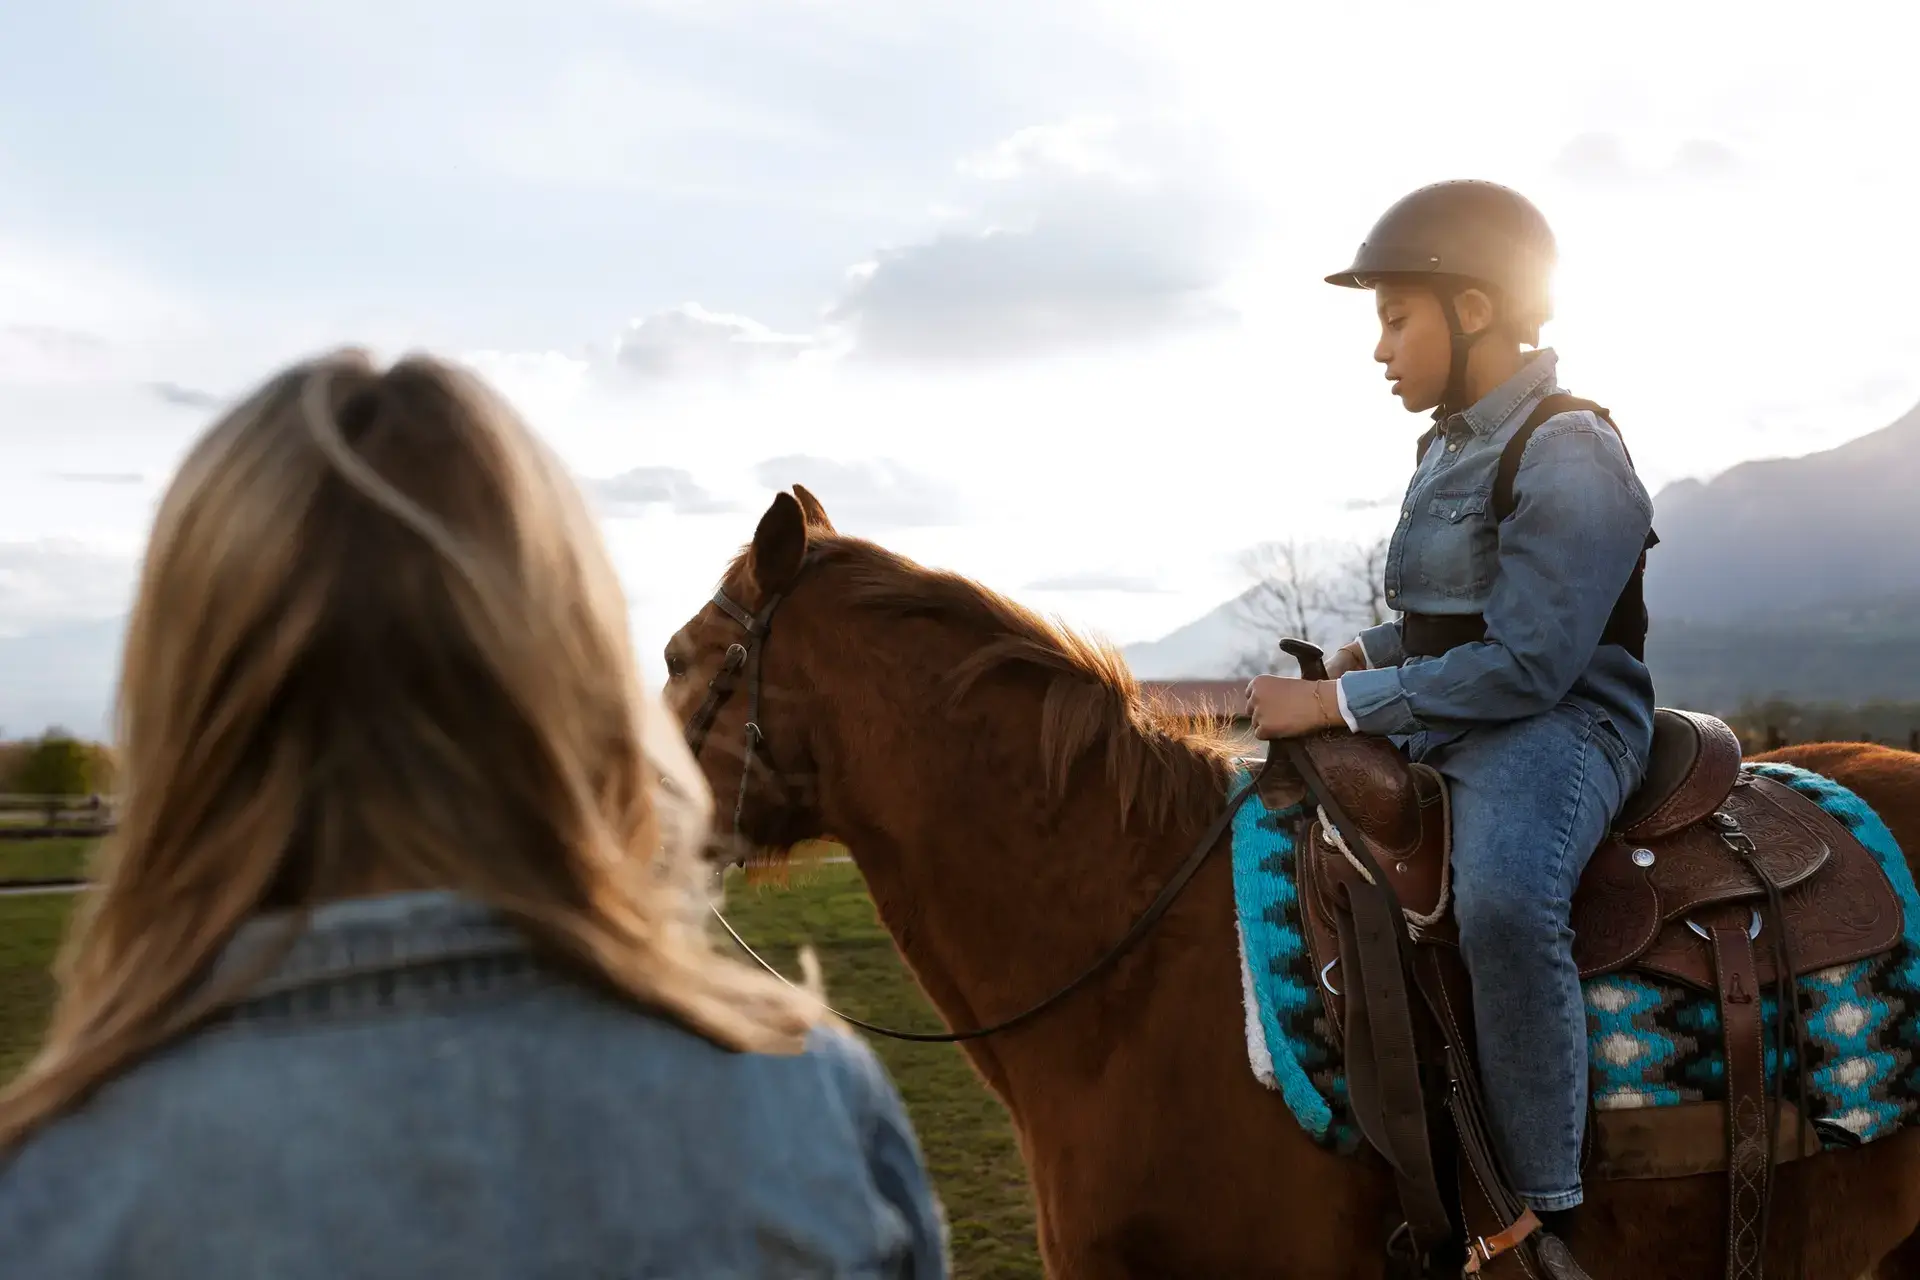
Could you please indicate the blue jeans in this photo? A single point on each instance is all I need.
(1532, 799)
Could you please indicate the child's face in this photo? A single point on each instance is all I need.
(1414, 344)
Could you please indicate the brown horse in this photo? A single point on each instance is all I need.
(1014, 804)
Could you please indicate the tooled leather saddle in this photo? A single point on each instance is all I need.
(1713, 877)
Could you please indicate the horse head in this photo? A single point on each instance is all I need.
(748, 706)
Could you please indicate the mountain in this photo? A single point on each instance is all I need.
(1214, 644)
(1793, 533)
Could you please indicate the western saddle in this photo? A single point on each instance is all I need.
(1713, 877)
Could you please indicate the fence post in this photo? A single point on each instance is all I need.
(1913, 740)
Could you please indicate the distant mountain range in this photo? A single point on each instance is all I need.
(1769, 538)
(1796, 578)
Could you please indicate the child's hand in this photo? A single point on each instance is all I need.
(1282, 707)
(1348, 657)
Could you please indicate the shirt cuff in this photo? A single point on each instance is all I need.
(1377, 700)
(1382, 645)
(1346, 713)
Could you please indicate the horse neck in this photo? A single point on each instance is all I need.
(996, 893)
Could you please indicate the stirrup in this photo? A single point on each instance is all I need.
(1557, 1260)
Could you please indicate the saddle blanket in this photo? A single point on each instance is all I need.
(1651, 1043)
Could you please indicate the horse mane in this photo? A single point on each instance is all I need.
(1161, 761)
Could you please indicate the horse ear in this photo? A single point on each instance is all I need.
(816, 513)
(779, 545)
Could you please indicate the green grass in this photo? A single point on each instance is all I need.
(30, 931)
(965, 1134)
(64, 859)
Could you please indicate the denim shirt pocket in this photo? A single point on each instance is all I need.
(1456, 547)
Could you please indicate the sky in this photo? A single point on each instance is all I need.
(1030, 289)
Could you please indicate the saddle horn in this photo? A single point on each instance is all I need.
(1312, 659)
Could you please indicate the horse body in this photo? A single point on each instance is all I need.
(1014, 806)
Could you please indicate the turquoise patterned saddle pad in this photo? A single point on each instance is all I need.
(1651, 1043)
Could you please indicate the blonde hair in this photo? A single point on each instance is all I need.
(379, 645)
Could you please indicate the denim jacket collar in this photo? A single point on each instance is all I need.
(356, 936)
(1500, 406)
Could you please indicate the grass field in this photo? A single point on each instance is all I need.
(969, 1144)
(30, 929)
(43, 860)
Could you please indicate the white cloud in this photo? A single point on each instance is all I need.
(1076, 583)
(53, 580)
(183, 397)
(643, 488)
(100, 477)
(867, 497)
(605, 123)
(1088, 233)
(70, 315)
(1608, 157)
(690, 340)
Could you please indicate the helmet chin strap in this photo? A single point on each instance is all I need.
(1454, 399)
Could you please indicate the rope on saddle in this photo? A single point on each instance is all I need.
(1331, 834)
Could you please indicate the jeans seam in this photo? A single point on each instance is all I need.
(1565, 841)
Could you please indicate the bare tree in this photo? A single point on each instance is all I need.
(1308, 591)
(1290, 595)
(1360, 587)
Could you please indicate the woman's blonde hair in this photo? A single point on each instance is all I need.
(379, 645)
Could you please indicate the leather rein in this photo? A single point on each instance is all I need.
(745, 657)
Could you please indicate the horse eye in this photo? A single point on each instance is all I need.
(676, 666)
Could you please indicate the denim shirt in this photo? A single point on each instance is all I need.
(410, 1093)
(1546, 578)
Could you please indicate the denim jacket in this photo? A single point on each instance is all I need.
(1545, 579)
(410, 1093)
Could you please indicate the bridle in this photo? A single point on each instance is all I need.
(745, 656)
(719, 689)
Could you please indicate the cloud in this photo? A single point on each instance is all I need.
(690, 340)
(100, 477)
(615, 122)
(1606, 157)
(1076, 582)
(1087, 233)
(185, 397)
(44, 351)
(866, 497)
(633, 492)
(48, 581)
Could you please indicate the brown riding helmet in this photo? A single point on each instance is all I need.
(1457, 235)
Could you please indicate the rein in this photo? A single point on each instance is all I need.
(725, 681)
